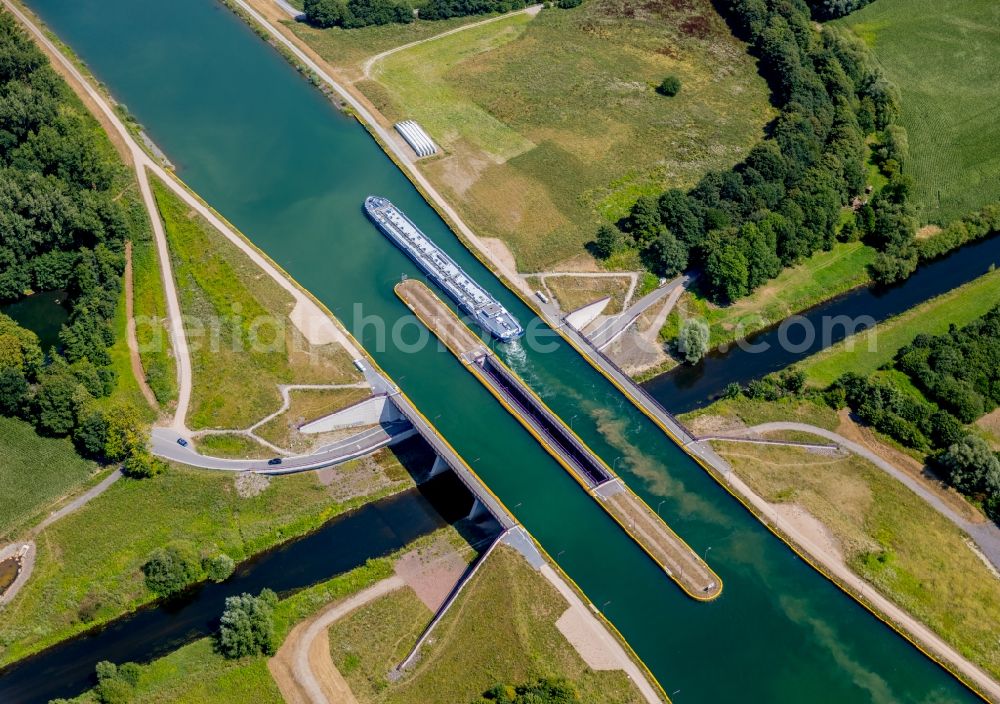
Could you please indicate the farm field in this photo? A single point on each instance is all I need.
(34, 472)
(945, 58)
(889, 536)
(869, 350)
(550, 124)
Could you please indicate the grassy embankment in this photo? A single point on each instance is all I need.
(818, 278)
(572, 292)
(552, 125)
(890, 537)
(150, 309)
(871, 350)
(34, 472)
(945, 59)
(501, 629)
(88, 565)
(306, 405)
(242, 342)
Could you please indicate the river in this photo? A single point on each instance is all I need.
(686, 387)
(272, 155)
(342, 544)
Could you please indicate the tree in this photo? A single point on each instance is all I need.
(13, 390)
(693, 340)
(971, 466)
(91, 433)
(140, 464)
(727, 270)
(670, 86)
(644, 220)
(219, 567)
(551, 690)
(607, 242)
(666, 256)
(56, 402)
(247, 626)
(124, 434)
(325, 13)
(169, 570)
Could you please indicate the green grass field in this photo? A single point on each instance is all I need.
(945, 58)
(150, 310)
(88, 565)
(890, 537)
(34, 472)
(870, 350)
(552, 125)
(821, 276)
(501, 629)
(241, 339)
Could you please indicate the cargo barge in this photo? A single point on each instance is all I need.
(442, 269)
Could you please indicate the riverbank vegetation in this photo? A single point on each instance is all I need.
(241, 340)
(887, 535)
(552, 124)
(70, 204)
(876, 347)
(79, 581)
(502, 629)
(944, 59)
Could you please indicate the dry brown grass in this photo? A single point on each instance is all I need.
(574, 292)
(306, 405)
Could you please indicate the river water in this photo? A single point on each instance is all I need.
(686, 388)
(272, 155)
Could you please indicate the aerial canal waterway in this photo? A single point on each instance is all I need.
(271, 154)
(342, 544)
(686, 388)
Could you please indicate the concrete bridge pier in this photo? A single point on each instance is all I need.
(479, 510)
(440, 465)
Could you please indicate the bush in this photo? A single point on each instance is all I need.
(116, 684)
(551, 690)
(171, 569)
(670, 86)
(218, 568)
(247, 626)
(567, 4)
(693, 340)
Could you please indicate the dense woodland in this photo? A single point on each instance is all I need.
(786, 199)
(65, 213)
(351, 14)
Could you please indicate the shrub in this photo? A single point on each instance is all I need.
(670, 86)
(171, 569)
(567, 4)
(247, 626)
(693, 340)
(218, 568)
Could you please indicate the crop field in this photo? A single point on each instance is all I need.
(551, 124)
(945, 58)
(34, 471)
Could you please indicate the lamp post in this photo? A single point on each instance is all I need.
(658, 507)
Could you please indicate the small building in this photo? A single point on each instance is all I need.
(417, 138)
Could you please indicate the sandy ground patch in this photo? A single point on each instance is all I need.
(27, 566)
(807, 525)
(715, 425)
(432, 572)
(639, 349)
(928, 231)
(865, 437)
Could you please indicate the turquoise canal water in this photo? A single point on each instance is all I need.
(270, 153)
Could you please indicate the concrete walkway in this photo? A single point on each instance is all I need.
(985, 535)
(614, 326)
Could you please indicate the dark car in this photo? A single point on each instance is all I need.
(276, 460)
(182, 442)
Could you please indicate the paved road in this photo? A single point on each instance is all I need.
(986, 535)
(165, 445)
(614, 326)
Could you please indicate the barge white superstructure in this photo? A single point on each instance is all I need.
(442, 269)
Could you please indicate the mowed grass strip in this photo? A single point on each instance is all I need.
(552, 125)
(816, 279)
(241, 340)
(945, 58)
(34, 472)
(88, 568)
(150, 310)
(501, 629)
(869, 350)
(890, 537)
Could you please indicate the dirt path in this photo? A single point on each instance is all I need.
(133, 341)
(367, 66)
(303, 668)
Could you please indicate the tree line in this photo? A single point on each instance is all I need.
(351, 14)
(64, 217)
(785, 200)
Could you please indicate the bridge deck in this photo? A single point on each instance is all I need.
(644, 526)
